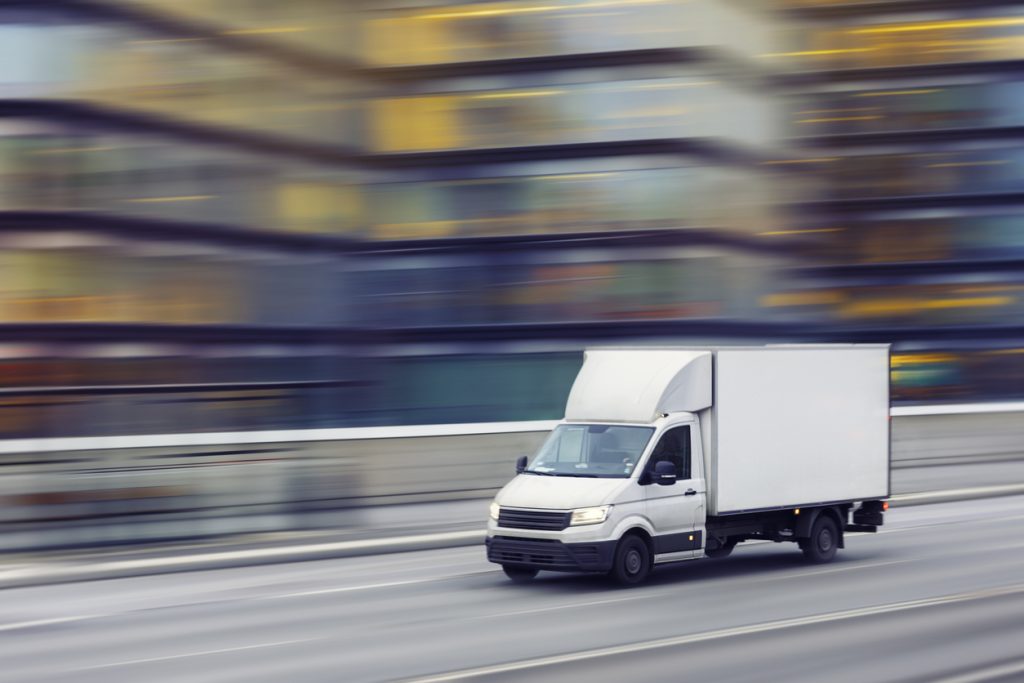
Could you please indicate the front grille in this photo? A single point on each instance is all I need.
(534, 552)
(533, 519)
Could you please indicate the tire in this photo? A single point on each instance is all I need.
(519, 574)
(824, 540)
(632, 563)
(720, 551)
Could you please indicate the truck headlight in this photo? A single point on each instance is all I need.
(589, 515)
(495, 509)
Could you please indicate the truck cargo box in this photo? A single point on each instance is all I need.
(794, 426)
(782, 426)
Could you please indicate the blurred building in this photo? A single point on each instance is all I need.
(247, 214)
(911, 111)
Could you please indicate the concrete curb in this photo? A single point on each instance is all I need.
(949, 496)
(56, 573)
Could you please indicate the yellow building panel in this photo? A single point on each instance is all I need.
(318, 207)
(415, 124)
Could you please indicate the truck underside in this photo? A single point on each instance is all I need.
(818, 530)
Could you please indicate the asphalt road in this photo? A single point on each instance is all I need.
(939, 596)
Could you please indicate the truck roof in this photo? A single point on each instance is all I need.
(639, 384)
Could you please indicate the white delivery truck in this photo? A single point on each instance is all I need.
(669, 454)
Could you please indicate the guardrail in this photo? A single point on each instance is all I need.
(92, 490)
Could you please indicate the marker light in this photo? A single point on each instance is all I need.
(495, 510)
(589, 515)
(885, 505)
(796, 512)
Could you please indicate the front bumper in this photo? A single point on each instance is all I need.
(551, 554)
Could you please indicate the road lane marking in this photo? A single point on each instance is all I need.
(264, 553)
(371, 586)
(21, 625)
(676, 641)
(113, 568)
(954, 495)
(218, 601)
(391, 584)
(324, 591)
(832, 570)
(555, 608)
(186, 655)
(674, 590)
(987, 674)
(980, 519)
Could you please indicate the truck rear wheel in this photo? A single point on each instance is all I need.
(519, 574)
(632, 561)
(823, 542)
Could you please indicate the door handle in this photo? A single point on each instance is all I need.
(690, 492)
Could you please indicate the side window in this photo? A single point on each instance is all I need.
(673, 446)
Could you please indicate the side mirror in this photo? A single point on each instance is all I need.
(521, 464)
(664, 473)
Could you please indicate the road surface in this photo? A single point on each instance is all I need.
(938, 596)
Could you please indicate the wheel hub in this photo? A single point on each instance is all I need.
(633, 562)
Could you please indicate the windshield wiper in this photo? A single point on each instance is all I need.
(589, 476)
(539, 473)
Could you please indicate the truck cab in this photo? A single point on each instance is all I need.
(593, 483)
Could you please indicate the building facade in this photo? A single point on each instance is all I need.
(242, 214)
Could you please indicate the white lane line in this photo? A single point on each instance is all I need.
(260, 553)
(186, 655)
(987, 674)
(833, 570)
(372, 586)
(21, 625)
(555, 608)
(102, 568)
(994, 518)
(324, 591)
(719, 634)
(674, 590)
(968, 492)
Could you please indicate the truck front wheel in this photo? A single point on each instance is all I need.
(632, 561)
(823, 542)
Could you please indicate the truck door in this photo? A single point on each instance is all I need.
(676, 510)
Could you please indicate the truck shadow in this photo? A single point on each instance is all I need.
(779, 563)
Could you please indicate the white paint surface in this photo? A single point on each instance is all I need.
(794, 426)
(638, 384)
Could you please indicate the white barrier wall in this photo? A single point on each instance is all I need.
(88, 491)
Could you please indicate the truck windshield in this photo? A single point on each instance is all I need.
(610, 451)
